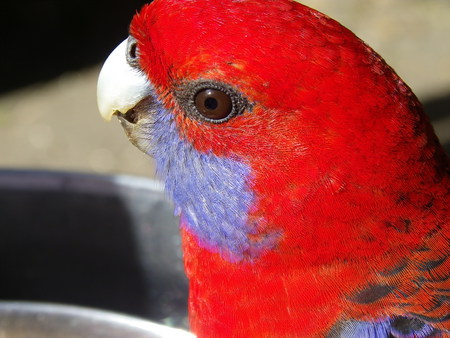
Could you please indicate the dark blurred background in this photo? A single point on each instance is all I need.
(43, 39)
(52, 52)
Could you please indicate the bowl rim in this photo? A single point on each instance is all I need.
(54, 180)
(26, 309)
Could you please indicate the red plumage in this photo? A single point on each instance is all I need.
(345, 166)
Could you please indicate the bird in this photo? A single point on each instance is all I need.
(312, 191)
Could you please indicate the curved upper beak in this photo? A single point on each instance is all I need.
(120, 87)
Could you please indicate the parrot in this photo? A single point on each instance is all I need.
(312, 191)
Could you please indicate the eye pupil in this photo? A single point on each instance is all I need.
(213, 104)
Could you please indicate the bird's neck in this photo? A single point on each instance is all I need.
(269, 297)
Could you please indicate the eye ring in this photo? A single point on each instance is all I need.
(210, 101)
(132, 52)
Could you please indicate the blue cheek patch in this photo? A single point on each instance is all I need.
(210, 192)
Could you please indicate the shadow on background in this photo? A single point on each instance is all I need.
(42, 39)
(438, 109)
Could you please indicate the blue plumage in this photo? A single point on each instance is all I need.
(398, 327)
(210, 193)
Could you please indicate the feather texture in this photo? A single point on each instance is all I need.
(321, 209)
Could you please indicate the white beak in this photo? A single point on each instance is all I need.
(120, 87)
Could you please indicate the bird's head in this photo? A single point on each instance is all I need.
(253, 109)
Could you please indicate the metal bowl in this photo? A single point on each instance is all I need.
(105, 242)
(39, 320)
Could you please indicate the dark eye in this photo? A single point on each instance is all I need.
(210, 101)
(132, 52)
(213, 103)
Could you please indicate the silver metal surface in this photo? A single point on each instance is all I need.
(39, 320)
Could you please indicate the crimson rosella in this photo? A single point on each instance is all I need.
(312, 191)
